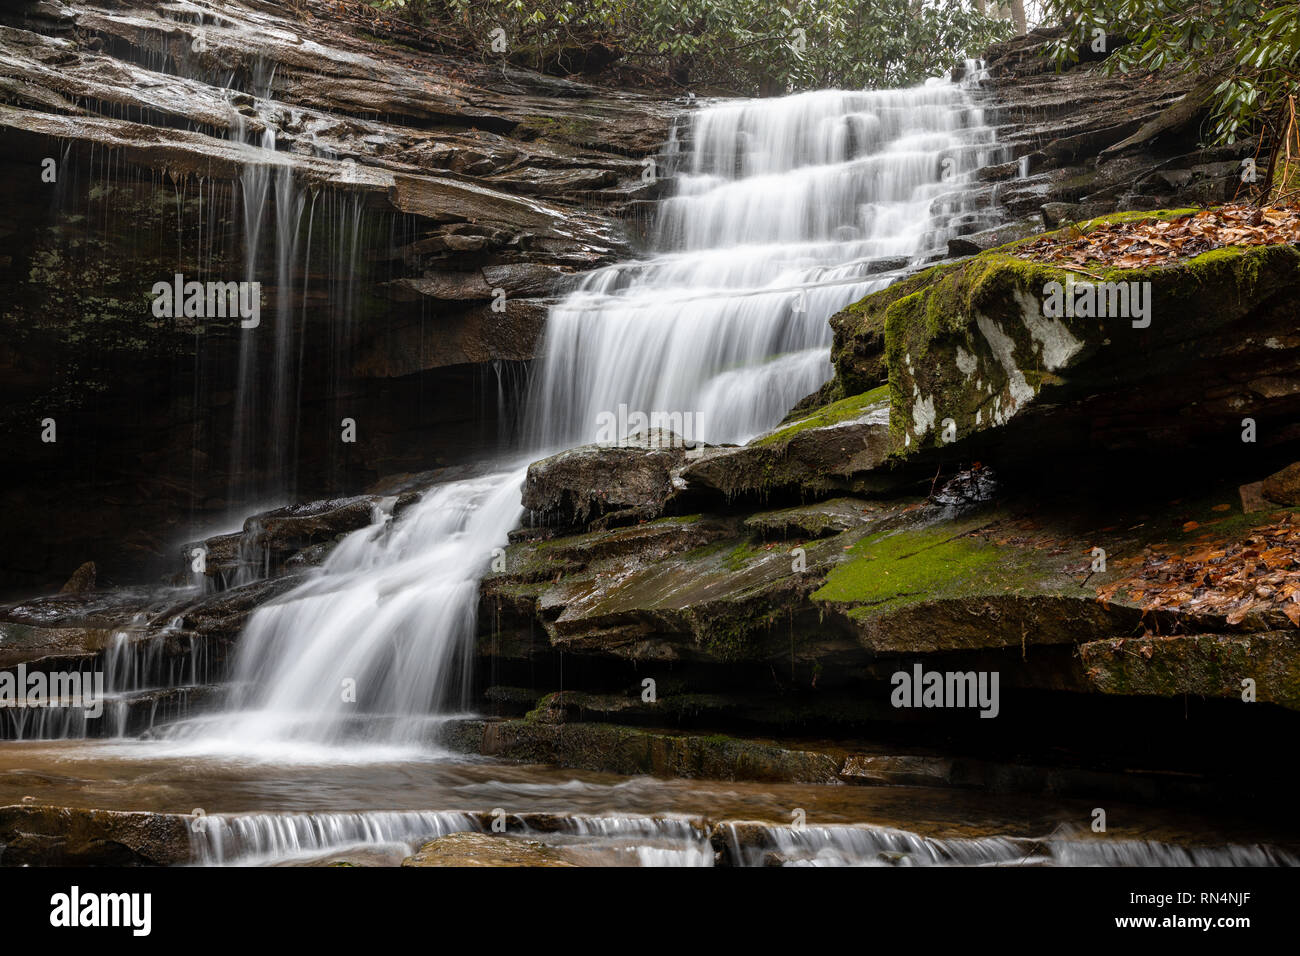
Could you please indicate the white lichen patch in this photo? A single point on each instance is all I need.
(923, 415)
(1055, 343)
(967, 363)
(1019, 391)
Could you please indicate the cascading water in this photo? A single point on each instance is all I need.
(384, 630)
(784, 211)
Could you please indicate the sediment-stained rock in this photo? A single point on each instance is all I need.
(66, 836)
(485, 849)
(631, 751)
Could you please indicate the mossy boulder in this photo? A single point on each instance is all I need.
(968, 347)
(838, 447)
(963, 585)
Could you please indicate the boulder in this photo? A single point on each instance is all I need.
(635, 480)
(1211, 665)
(1283, 488)
(969, 348)
(839, 447)
(83, 579)
(470, 848)
(67, 836)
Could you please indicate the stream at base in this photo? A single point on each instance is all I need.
(365, 807)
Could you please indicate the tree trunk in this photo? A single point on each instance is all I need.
(1018, 15)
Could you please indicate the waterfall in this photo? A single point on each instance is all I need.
(380, 634)
(784, 211)
(781, 212)
(759, 844)
(145, 681)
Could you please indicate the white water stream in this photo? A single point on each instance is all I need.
(782, 212)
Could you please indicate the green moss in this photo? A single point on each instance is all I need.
(890, 570)
(741, 555)
(844, 410)
(924, 325)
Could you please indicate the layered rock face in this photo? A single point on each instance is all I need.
(1087, 143)
(407, 215)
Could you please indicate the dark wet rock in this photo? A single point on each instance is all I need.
(485, 849)
(986, 239)
(478, 180)
(818, 520)
(1086, 143)
(635, 480)
(65, 836)
(1283, 488)
(83, 579)
(66, 627)
(974, 486)
(1212, 665)
(1252, 497)
(23, 643)
(627, 750)
(269, 539)
(677, 707)
(897, 770)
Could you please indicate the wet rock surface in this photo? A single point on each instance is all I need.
(783, 583)
(460, 197)
(1088, 143)
(635, 480)
(59, 836)
(483, 849)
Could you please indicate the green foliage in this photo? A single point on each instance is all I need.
(1250, 48)
(737, 46)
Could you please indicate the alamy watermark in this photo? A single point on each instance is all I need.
(19, 689)
(1099, 300)
(922, 688)
(657, 429)
(208, 300)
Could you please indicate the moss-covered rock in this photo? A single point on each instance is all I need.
(1212, 665)
(970, 346)
(838, 447)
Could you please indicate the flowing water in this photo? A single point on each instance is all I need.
(783, 211)
(779, 212)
